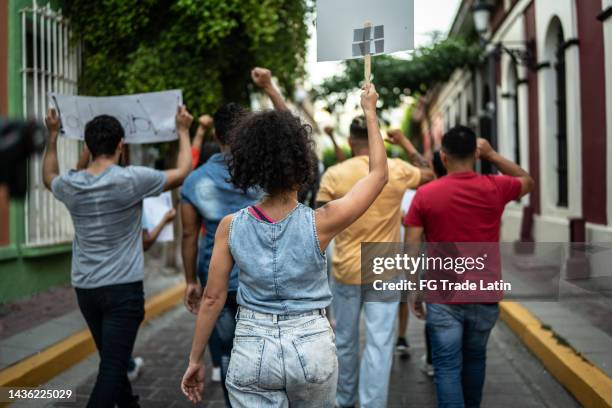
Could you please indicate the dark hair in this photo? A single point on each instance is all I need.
(102, 135)
(359, 128)
(272, 150)
(438, 166)
(459, 142)
(226, 118)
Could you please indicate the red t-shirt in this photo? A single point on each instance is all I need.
(462, 207)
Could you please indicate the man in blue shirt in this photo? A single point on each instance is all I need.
(207, 197)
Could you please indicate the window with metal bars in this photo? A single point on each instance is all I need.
(561, 105)
(50, 61)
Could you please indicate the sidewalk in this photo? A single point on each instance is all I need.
(515, 378)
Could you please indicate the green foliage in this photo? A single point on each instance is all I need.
(204, 47)
(395, 77)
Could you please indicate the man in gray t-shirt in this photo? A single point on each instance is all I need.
(105, 203)
(106, 211)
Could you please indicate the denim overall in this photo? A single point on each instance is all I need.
(284, 352)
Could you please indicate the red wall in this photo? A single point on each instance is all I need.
(593, 110)
(533, 119)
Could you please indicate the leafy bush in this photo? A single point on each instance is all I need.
(204, 47)
(393, 77)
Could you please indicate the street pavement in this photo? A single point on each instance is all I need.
(514, 377)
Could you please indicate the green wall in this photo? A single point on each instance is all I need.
(25, 271)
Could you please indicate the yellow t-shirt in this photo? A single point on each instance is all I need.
(380, 223)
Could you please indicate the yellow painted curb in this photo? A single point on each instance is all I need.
(40, 368)
(589, 385)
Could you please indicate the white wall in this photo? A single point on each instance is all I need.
(553, 222)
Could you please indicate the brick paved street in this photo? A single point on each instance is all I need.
(514, 377)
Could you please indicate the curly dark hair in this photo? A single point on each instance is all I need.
(272, 150)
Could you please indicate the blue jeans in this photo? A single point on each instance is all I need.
(113, 314)
(283, 360)
(369, 380)
(459, 334)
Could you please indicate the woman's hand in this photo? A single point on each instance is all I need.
(369, 98)
(192, 384)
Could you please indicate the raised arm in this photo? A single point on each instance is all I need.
(337, 215)
(505, 166)
(262, 77)
(83, 159)
(176, 176)
(50, 167)
(396, 137)
(191, 223)
(340, 156)
(212, 303)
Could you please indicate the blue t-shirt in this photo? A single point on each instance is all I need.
(106, 211)
(208, 189)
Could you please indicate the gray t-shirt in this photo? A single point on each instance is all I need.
(106, 211)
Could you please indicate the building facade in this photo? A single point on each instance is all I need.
(37, 56)
(543, 96)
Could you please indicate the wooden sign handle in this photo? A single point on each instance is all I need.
(367, 62)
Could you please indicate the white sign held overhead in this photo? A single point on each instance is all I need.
(349, 29)
(146, 117)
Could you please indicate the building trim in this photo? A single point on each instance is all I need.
(592, 104)
(605, 14)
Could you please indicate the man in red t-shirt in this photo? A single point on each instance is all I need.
(461, 207)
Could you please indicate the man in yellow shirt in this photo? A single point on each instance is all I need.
(369, 383)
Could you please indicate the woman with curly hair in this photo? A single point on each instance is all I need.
(284, 353)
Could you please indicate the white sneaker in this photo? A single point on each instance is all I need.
(135, 371)
(216, 374)
(426, 368)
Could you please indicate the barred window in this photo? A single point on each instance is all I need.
(50, 61)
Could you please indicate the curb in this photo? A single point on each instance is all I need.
(587, 383)
(40, 368)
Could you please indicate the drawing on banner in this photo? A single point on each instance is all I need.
(146, 118)
(349, 29)
(153, 211)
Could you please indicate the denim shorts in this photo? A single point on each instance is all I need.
(282, 358)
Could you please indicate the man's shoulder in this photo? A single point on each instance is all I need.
(348, 166)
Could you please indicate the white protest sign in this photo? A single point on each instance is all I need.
(341, 34)
(153, 211)
(146, 118)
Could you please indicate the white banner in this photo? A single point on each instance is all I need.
(146, 118)
(341, 32)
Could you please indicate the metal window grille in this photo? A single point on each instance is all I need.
(50, 62)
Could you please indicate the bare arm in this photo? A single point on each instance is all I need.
(83, 159)
(191, 223)
(396, 137)
(149, 237)
(413, 239)
(205, 122)
(336, 215)
(176, 176)
(262, 77)
(213, 301)
(505, 166)
(50, 167)
(340, 157)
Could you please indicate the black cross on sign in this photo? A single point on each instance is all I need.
(368, 40)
